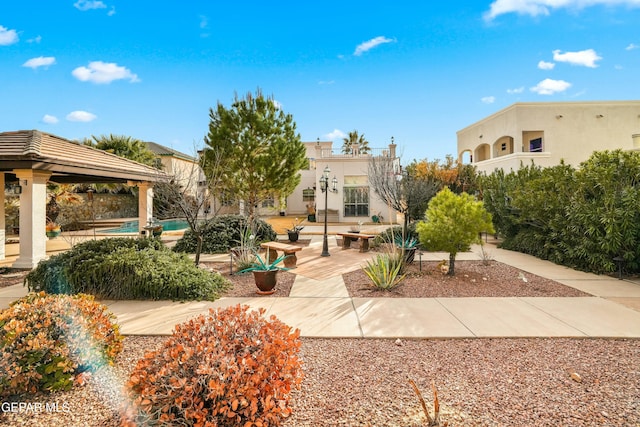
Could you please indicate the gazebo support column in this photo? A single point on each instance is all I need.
(33, 217)
(2, 220)
(145, 204)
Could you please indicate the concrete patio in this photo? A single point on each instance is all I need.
(320, 306)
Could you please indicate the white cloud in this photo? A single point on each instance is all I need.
(103, 72)
(370, 44)
(112, 11)
(47, 118)
(585, 58)
(549, 87)
(632, 46)
(41, 61)
(81, 116)
(276, 104)
(7, 36)
(488, 99)
(516, 90)
(85, 5)
(204, 22)
(36, 39)
(335, 134)
(543, 7)
(543, 65)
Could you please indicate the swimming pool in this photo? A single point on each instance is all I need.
(167, 225)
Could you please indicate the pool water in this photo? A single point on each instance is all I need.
(167, 225)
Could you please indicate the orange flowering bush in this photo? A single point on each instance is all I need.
(231, 367)
(47, 342)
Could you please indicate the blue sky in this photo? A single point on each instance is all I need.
(415, 70)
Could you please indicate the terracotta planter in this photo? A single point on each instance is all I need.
(265, 281)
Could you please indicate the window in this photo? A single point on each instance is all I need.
(268, 203)
(356, 201)
(308, 195)
(535, 145)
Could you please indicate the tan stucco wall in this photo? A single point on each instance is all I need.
(572, 131)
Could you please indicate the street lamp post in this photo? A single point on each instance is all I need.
(324, 186)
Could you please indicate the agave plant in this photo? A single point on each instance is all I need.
(408, 243)
(260, 264)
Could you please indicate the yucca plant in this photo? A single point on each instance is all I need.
(385, 271)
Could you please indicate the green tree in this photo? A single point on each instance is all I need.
(452, 223)
(354, 144)
(261, 153)
(125, 146)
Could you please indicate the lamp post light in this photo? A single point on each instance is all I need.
(324, 186)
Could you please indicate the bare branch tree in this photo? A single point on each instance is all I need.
(399, 189)
(190, 194)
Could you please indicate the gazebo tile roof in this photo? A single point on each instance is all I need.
(63, 157)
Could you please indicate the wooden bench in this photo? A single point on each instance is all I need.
(347, 238)
(289, 250)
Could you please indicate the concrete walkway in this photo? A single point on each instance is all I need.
(319, 304)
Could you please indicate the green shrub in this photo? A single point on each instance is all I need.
(222, 233)
(49, 341)
(230, 368)
(125, 268)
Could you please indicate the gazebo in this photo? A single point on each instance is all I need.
(31, 159)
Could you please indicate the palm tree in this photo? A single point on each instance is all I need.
(127, 147)
(355, 144)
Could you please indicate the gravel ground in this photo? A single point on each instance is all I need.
(472, 279)
(480, 382)
(364, 382)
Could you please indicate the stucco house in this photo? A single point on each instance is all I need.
(184, 170)
(546, 132)
(355, 200)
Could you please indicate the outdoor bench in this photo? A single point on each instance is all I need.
(289, 250)
(347, 238)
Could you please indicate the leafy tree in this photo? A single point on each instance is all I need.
(453, 222)
(125, 146)
(259, 150)
(447, 173)
(440, 174)
(355, 143)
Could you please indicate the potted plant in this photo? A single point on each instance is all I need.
(52, 230)
(311, 212)
(154, 228)
(294, 233)
(356, 227)
(265, 273)
(408, 246)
